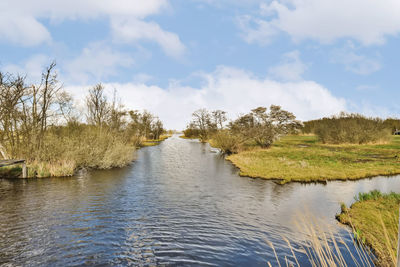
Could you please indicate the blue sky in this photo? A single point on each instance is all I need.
(313, 57)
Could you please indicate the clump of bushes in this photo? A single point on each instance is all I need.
(261, 127)
(227, 142)
(39, 123)
(352, 129)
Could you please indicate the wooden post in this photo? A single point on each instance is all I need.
(24, 170)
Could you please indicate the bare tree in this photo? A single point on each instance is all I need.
(117, 114)
(12, 96)
(98, 108)
(201, 120)
(157, 129)
(219, 118)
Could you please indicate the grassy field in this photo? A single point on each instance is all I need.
(305, 159)
(374, 219)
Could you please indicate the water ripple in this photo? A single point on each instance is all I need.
(178, 204)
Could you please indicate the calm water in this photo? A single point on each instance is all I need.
(180, 203)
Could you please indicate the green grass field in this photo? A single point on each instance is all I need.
(304, 159)
(374, 219)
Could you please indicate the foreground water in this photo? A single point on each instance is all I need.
(180, 203)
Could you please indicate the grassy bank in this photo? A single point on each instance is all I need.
(305, 159)
(101, 151)
(154, 142)
(189, 138)
(374, 219)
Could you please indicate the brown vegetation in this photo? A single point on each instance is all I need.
(352, 129)
(40, 124)
(258, 127)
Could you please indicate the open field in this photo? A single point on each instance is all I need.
(374, 219)
(304, 159)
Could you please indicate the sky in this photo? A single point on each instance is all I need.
(315, 58)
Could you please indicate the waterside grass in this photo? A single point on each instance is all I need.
(154, 142)
(303, 158)
(374, 218)
(186, 137)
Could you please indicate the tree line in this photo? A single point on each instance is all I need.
(260, 127)
(352, 128)
(40, 123)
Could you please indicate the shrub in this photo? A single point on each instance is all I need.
(352, 129)
(191, 133)
(227, 142)
(65, 150)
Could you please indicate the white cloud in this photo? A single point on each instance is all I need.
(367, 21)
(256, 30)
(291, 68)
(142, 78)
(32, 67)
(354, 61)
(224, 3)
(132, 30)
(24, 30)
(230, 89)
(96, 61)
(20, 20)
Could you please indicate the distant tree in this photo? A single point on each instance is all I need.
(157, 129)
(353, 129)
(219, 118)
(264, 128)
(117, 114)
(201, 120)
(145, 124)
(98, 108)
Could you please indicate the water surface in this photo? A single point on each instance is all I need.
(180, 203)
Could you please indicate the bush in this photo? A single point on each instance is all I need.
(227, 142)
(191, 133)
(67, 149)
(352, 129)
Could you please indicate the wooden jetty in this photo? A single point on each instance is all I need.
(9, 162)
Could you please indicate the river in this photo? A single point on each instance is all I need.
(179, 203)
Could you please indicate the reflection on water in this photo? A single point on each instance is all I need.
(179, 203)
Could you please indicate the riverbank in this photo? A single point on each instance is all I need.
(374, 218)
(303, 158)
(114, 155)
(155, 142)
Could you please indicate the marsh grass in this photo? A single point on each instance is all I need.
(154, 142)
(374, 219)
(305, 159)
(188, 137)
(321, 246)
(67, 149)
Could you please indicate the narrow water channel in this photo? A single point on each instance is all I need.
(180, 203)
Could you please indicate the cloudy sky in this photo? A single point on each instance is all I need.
(171, 57)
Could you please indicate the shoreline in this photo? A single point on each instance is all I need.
(13, 173)
(373, 219)
(303, 159)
